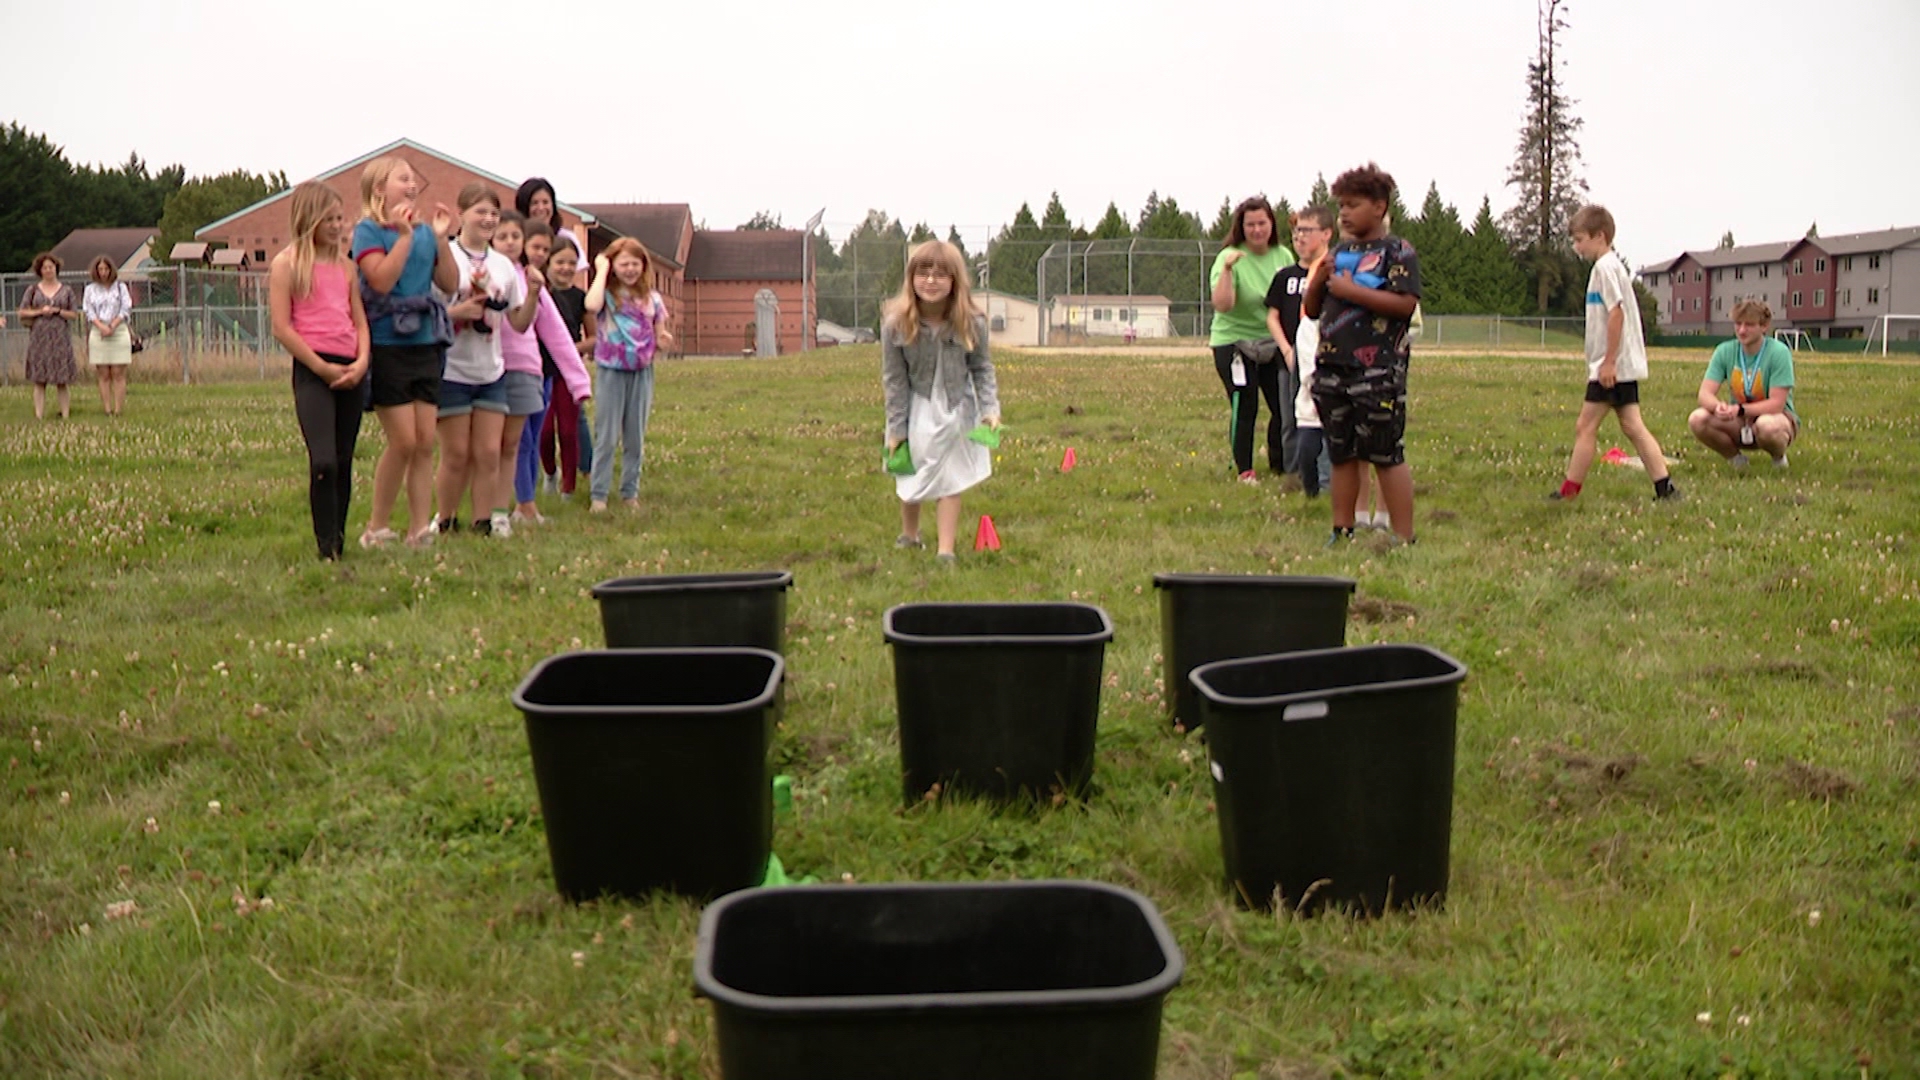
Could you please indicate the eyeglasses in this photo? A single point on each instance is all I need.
(1298, 229)
(931, 273)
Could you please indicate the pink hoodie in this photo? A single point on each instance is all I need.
(522, 349)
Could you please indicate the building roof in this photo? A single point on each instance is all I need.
(1661, 267)
(118, 245)
(1867, 242)
(1122, 301)
(1750, 254)
(230, 257)
(747, 255)
(395, 146)
(657, 225)
(189, 251)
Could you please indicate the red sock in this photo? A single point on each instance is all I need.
(1568, 489)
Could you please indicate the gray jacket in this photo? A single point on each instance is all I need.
(908, 369)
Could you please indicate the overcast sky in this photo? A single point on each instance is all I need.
(1758, 116)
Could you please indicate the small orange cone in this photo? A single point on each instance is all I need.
(1068, 460)
(986, 538)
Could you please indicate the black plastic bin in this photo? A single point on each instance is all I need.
(746, 609)
(997, 699)
(1060, 980)
(1208, 617)
(653, 769)
(1333, 774)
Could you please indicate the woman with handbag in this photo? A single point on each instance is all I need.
(1243, 353)
(109, 307)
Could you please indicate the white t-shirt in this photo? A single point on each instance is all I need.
(475, 358)
(1306, 342)
(1608, 285)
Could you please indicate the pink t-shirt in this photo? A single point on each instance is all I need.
(323, 318)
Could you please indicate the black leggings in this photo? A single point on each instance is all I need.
(330, 424)
(1244, 406)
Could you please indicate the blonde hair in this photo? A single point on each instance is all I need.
(373, 186)
(627, 245)
(1753, 311)
(309, 207)
(905, 310)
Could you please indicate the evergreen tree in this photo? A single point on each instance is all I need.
(1015, 252)
(1112, 226)
(953, 237)
(762, 219)
(1222, 222)
(921, 234)
(1440, 241)
(1546, 164)
(1488, 279)
(1726, 240)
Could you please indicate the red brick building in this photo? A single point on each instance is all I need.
(261, 230)
(707, 279)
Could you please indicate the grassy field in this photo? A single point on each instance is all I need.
(266, 817)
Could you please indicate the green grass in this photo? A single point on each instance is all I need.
(1685, 839)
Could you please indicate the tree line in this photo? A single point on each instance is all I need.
(49, 196)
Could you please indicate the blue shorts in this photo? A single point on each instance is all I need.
(459, 399)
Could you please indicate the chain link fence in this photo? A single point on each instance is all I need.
(199, 325)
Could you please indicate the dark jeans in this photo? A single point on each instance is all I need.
(1244, 408)
(1316, 469)
(330, 424)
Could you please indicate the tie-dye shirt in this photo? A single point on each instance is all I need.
(626, 339)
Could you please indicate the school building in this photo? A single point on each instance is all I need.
(1823, 286)
(701, 274)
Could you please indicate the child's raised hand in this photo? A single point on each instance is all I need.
(600, 264)
(535, 279)
(443, 219)
(400, 218)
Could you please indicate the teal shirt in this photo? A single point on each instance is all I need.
(1732, 367)
(1252, 275)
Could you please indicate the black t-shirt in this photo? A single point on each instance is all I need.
(1284, 296)
(1352, 336)
(572, 305)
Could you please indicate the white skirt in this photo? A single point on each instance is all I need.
(945, 461)
(114, 350)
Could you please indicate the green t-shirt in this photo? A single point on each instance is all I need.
(1252, 275)
(1753, 378)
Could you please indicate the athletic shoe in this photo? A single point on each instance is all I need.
(945, 558)
(501, 525)
(1780, 462)
(1672, 495)
(1555, 496)
(523, 518)
(1739, 462)
(552, 482)
(905, 541)
(447, 526)
(1339, 537)
(1249, 477)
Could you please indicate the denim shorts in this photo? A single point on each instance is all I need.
(525, 394)
(459, 399)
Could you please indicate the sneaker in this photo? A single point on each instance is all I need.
(1672, 495)
(523, 518)
(373, 538)
(1555, 496)
(905, 541)
(1739, 462)
(1340, 536)
(1250, 477)
(483, 526)
(1780, 462)
(447, 526)
(552, 482)
(945, 558)
(501, 525)
(1379, 521)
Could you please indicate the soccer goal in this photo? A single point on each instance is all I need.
(1793, 339)
(1883, 327)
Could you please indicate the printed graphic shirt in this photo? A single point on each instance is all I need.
(1350, 335)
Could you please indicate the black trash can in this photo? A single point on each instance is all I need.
(1061, 980)
(997, 699)
(653, 768)
(1208, 617)
(746, 609)
(1333, 774)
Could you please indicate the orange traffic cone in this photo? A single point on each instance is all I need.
(1068, 460)
(986, 538)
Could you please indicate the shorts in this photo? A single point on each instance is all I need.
(1619, 396)
(459, 399)
(525, 393)
(1363, 412)
(404, 374)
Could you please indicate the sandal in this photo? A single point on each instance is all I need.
(373, 538)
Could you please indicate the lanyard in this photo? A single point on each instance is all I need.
(1750, 374)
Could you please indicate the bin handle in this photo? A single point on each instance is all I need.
(1305, 710)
